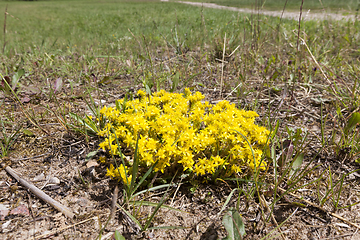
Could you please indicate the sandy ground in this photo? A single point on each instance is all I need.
(306, 15)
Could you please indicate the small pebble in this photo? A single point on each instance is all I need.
(54, 180)
(20, 210)
(3, 214)
(83, 202)
(39, 177)
(6, 224)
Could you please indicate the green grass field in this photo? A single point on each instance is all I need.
(103, 27)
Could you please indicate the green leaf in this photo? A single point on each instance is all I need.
(152, 204)
(297, 163)
(90, 125)
(234, 225)
(90, 155)
(105, 80)
(135, 167)
(355, 119)
(142, 179)
(28, 133)
(118, 236)
(158, 206)
(154, 189)
(175, 82)
(227, 200)
(16, 78)
(167, 227)
(142, 57)
(147, 89)
(130, 216)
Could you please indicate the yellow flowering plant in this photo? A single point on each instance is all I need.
(173, 129)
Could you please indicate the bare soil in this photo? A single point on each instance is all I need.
(83, 186)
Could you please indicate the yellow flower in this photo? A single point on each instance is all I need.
(102, 159)
(119, 174)
(178, 128)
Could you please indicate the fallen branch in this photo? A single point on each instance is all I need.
(37, 192)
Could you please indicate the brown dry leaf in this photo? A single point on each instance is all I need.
(92, 163)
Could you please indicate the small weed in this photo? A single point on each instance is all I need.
(7, 140)
(234, 225)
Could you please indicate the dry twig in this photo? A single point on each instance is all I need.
(272, 216)
(62, 229)
(37, 192)
(222, 67)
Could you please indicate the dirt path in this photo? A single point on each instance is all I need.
(288, 15)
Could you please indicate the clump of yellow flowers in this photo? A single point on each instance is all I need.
(183, 129)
